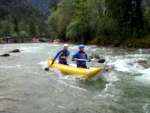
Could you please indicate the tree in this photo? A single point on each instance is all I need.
(127, 14)
(59, 19)
(32, 24)
(16, 29)
(23, 27)
(37, 30)
(7, 28)
(53, 4)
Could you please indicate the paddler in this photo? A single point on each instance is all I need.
(62, 54)
(81, 57)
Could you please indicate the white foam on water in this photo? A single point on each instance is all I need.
(110, 92)
(11, 67)
(69, 85)
(43, 64)
(110, 88)
(129, 65)
(146, 108)
(74, 47)
(29, 49)
(94, 49)
(111, 77)
(145, 77)
(121, 65)
(72, 78)
(16, 67)
(138, 55)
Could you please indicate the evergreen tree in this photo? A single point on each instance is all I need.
(53, 4)
(127, 14)
(32, 24)
(16, 29)
(7, 28)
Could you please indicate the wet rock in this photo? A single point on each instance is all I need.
(143, 63)
(5, 55)
(144, 51)
(15, 51)
(94, 56)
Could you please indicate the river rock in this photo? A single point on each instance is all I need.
(15, 51)
(94, 56)
(144, 51)
(5, 55)
(143, 63)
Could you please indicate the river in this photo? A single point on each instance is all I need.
(25, 87)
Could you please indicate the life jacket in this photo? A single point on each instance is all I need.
(81, 55)
(63, 54)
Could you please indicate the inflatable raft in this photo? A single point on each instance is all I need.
(71, 70)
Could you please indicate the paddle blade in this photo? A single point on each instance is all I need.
(101, 60)
(47, 69)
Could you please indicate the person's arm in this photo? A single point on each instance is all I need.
(58, 54)
(74, 57)
(67, 53)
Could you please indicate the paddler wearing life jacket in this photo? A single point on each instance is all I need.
(81, 55)
(62, 54)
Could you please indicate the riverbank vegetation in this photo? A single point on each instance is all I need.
(102, 22)
(20, 18)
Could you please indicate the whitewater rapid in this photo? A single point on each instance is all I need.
(26, 87)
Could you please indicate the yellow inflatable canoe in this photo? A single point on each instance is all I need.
(83, 72)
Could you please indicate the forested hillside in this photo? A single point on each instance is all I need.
(19, 17)
(103, 22)
(44, 5)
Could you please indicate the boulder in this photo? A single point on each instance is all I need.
(5, 55)
(15, 51)
(94, 56)
(144, 51)
(143, 63)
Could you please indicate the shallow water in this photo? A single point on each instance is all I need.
(26, 88)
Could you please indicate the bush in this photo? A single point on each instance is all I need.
(137, 43)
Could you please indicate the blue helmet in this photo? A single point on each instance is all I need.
(81, 46)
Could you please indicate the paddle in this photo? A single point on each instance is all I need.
(47, 68)
(99, 61)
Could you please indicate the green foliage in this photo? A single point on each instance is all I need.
(52, 23)
(74, 30)
(127, 14)
(102, 22)
(23, 27)
(53, 4)
(23, 33)
(140, 43)
(32, 24)
(1, 39)
(17, 11)
(7, 28)
(59, 19)
(106, 26)
(37, 30)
